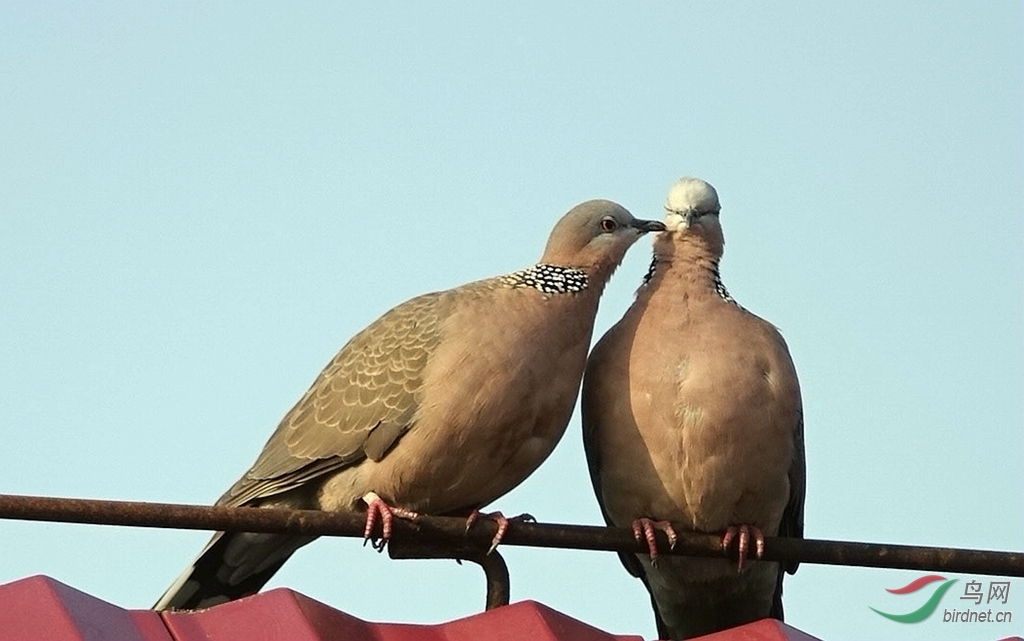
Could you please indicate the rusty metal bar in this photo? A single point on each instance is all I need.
(493, 565)
(450, 531)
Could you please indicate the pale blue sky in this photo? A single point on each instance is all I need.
(201, 202)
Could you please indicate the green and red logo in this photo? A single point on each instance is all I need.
(929, 606)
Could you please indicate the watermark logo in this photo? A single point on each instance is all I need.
(929, 606)
(998, 592)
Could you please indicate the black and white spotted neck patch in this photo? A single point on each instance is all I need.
(719, 285)
(549, 279)
(722, 291)
(650, 270)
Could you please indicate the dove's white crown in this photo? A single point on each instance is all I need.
(691, 194)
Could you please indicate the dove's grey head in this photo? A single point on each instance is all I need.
(691, 213)
(594, 236)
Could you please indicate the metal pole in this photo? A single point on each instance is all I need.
(450, 531)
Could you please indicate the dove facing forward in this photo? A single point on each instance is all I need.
(692, 415)
(440, 406)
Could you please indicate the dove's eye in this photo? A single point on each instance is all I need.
(608, 224)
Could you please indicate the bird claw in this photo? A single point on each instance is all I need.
(502, 521)
(643, 528)
(743, 534)
(377, 508)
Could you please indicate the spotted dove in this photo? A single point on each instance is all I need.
(692, 416)
(440, 406)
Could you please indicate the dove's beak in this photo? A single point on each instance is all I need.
(648, 225)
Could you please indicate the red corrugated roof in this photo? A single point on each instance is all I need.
(43, 609)
(284, 614)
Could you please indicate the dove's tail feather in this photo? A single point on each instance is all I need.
(231, 566)
(777, 611)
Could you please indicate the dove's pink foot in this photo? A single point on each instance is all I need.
(377, 508)
(502, 522)
(744, 533)
(645, 527)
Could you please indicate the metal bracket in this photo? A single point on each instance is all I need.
(495, 570)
